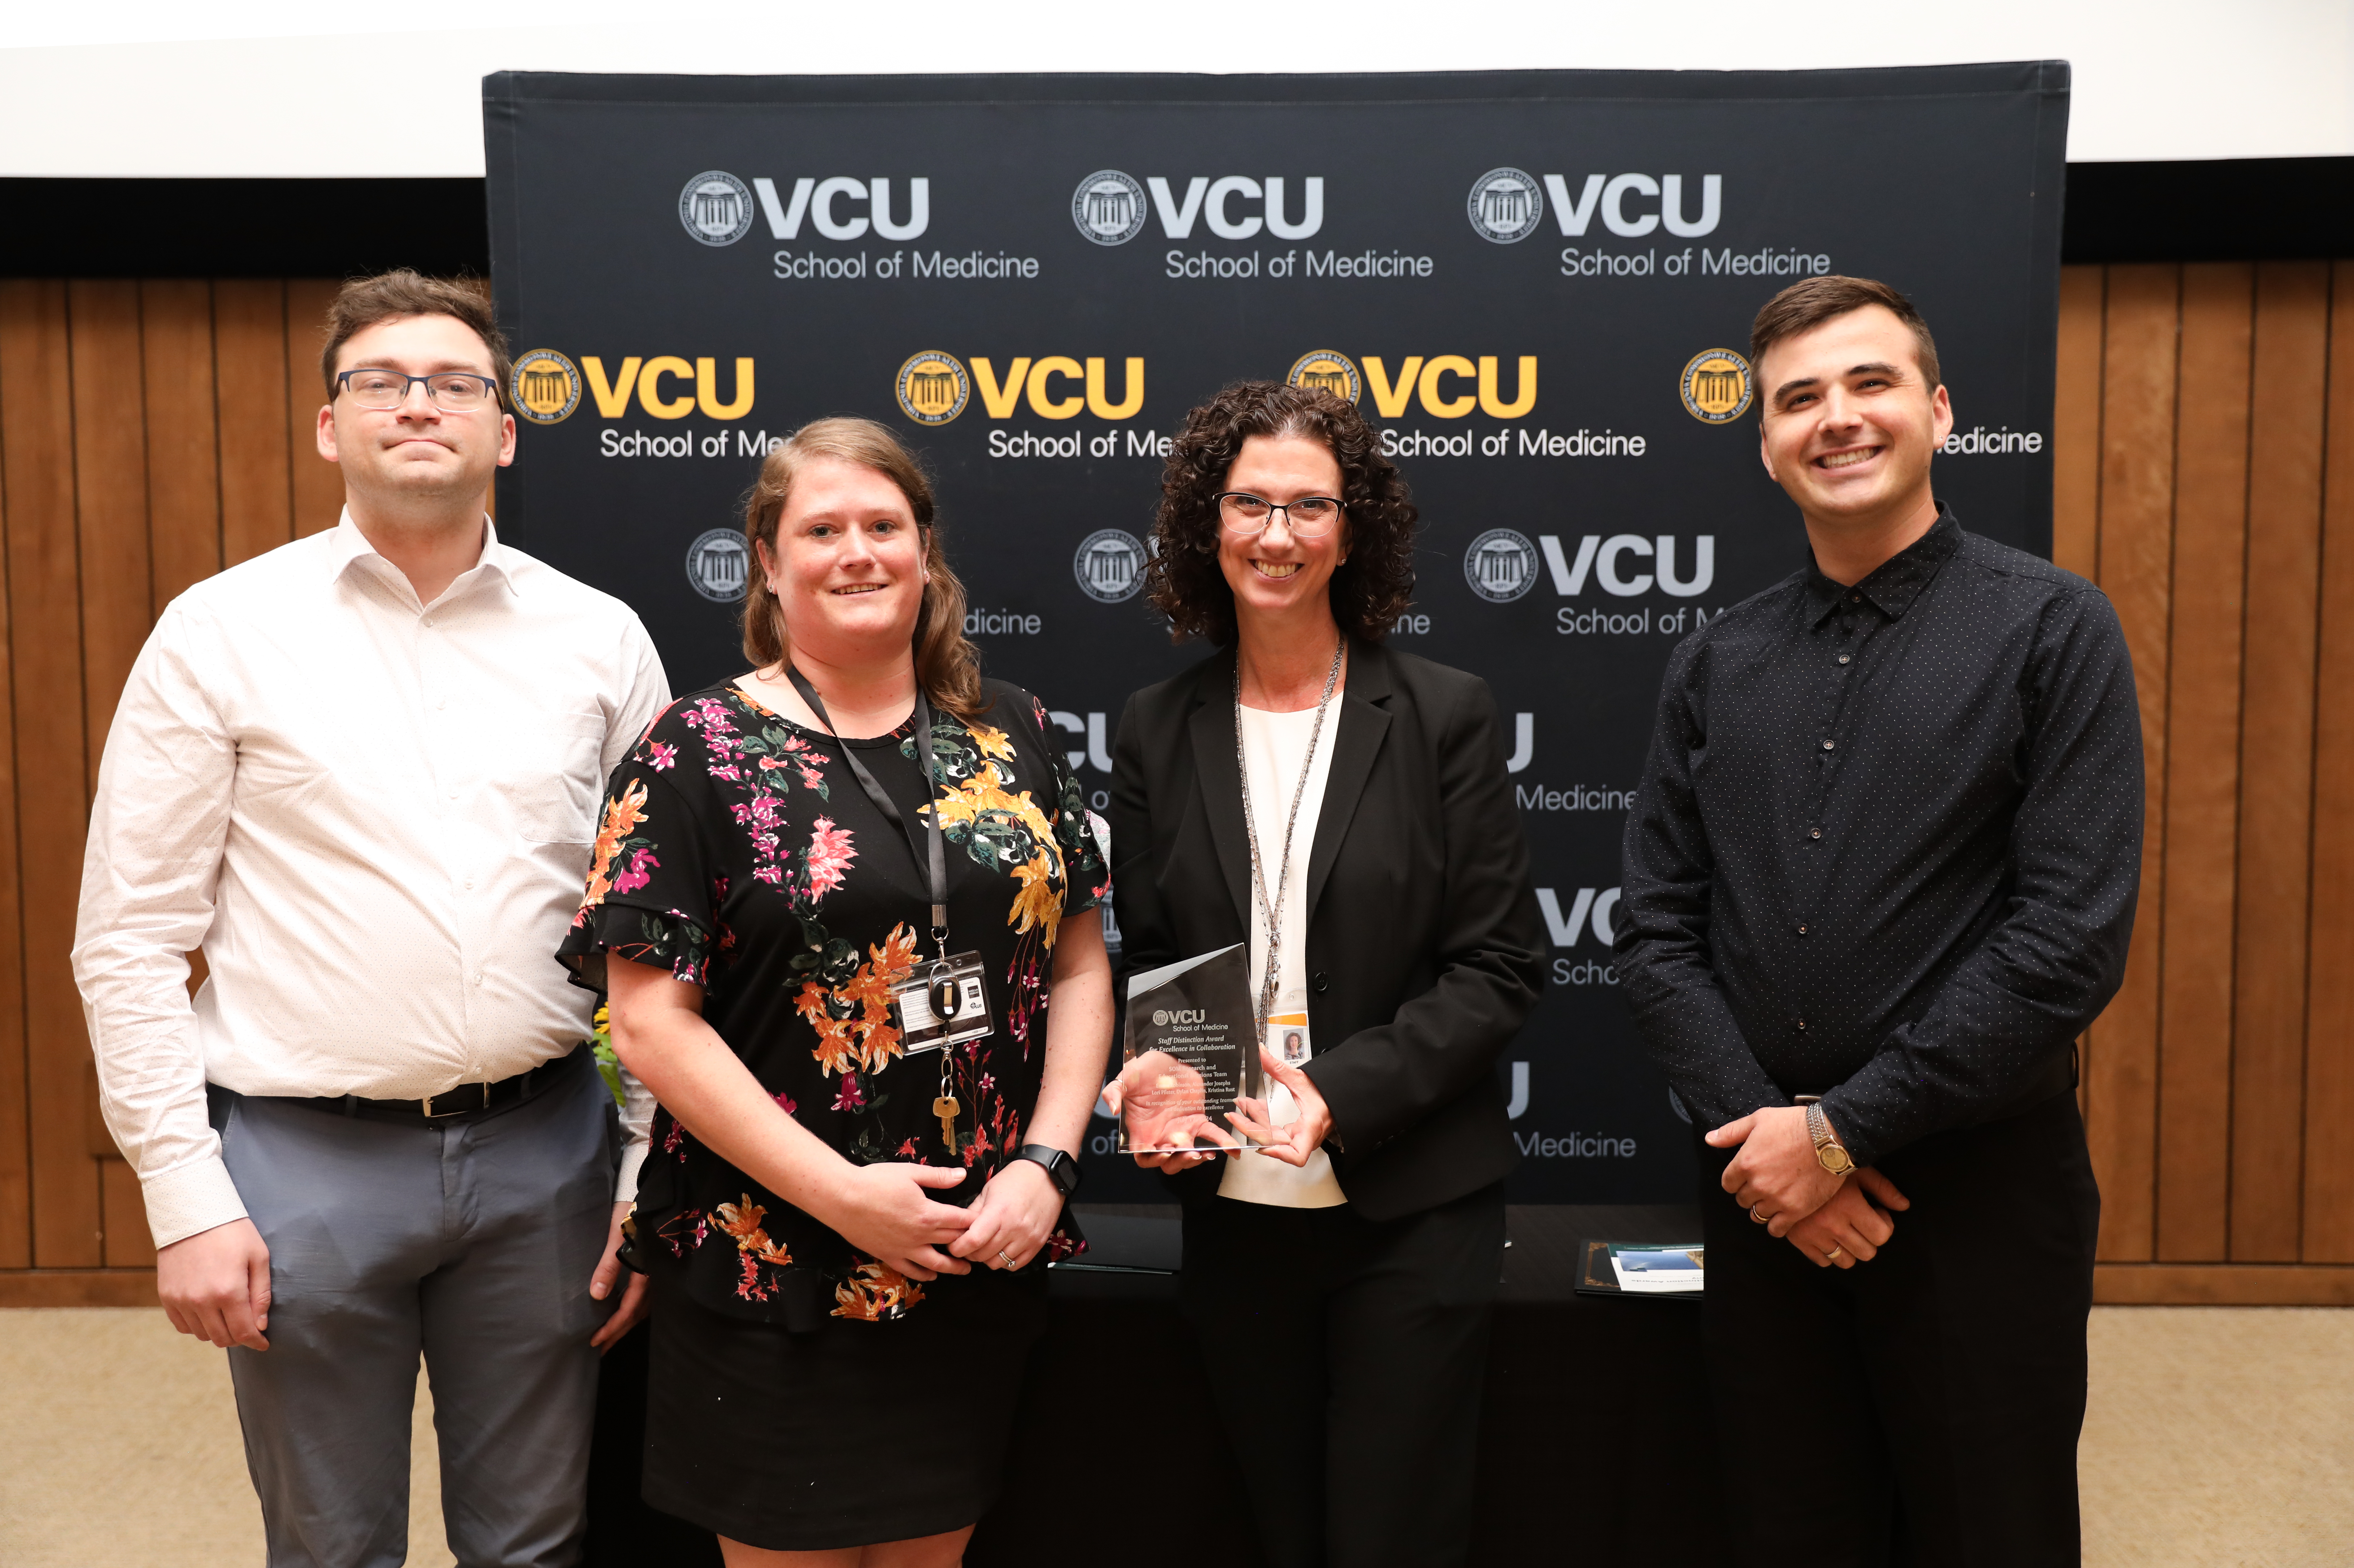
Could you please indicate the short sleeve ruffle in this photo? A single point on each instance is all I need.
(651, 898)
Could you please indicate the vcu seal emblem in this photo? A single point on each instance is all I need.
(932, 387)
(544, 387)
(719, 564)
(1109, 207)
(1505, 204)
(1333, 373)
(1716, 386)
(1109, 565)
(1501, 565)
(715, 207)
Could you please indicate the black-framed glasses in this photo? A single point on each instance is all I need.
(451, 391)
(1310, 516)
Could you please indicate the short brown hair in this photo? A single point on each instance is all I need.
(364, 303)
(947, 667)
(1369, 590)
(1804, 306)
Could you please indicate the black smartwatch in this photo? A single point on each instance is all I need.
(1060, 1167)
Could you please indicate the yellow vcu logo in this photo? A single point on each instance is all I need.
(1059, 386)
(1449, 386)
(648, 378)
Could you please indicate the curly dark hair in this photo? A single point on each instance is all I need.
(1369, 589)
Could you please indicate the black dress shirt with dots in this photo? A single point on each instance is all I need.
(1887, 843)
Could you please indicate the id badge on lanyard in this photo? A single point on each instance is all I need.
(944, 1002)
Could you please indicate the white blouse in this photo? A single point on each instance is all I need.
(1274, 748)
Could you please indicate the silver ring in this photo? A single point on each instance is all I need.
(1003, 1259)
(1761, 1219)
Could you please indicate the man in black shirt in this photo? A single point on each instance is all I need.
(1878, 875)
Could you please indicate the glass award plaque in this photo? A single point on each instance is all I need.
(1191, 1052)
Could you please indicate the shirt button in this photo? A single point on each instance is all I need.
(1845, 657)
(1815, 833)
(1828, 744)
(453, 794)
(478, 979)
(470, 887)
(1802, 1026)
(444, 702)
(429, 620)
(1855, 599)
(1802, 930)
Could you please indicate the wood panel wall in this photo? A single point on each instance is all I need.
(153, 432)
(2204, 441)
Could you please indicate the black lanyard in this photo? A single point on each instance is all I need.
(927, 853)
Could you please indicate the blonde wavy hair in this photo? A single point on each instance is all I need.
(947, 666)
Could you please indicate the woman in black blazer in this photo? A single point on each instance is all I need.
(1340, 1281)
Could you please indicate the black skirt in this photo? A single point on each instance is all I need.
(850, 1435)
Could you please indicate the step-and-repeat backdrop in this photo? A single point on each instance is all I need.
(1537, 285)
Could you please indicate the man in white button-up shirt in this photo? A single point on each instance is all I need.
(361, 773)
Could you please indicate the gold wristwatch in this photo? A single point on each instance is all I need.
(1829, 1149)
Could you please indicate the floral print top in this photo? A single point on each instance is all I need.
(739, 851)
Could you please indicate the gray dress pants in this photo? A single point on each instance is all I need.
(471, 1242)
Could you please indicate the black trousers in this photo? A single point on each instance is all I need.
(1347, 1357)
(1922, 1409)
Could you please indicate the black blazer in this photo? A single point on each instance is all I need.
(1424, 948)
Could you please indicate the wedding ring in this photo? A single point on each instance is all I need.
(1832, 1255)
(1761, 1219)
(1003, 1259)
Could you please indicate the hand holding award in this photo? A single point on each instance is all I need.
(1188, 1060)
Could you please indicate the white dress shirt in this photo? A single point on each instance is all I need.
(373, 816)
(1275, 748)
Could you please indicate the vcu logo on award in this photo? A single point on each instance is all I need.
(544, 387)
(932, 387)
(1109, 207)
(1501, 565)
(1109, 565)
(1716, 386)
(719, 565)
(715, 207)
(1328, 371)
(1505, 204)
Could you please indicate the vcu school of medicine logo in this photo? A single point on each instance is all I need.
(1109, 207)
(1329, 372)
(1501, 565)
(1716, 386)
(1109, 565)
(715, 207)
(544, 387)
(1505, 204)
(719, 565)
(933, 388)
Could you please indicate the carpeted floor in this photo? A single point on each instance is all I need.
(2219, 1437)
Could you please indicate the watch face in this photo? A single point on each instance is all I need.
(1836, 1159)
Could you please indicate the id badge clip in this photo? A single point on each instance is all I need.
(942, 1004)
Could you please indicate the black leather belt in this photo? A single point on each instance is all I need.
(467, 1102)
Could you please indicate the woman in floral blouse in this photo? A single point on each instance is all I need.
(845, 1235)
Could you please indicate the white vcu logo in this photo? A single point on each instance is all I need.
(819, 201)
(1604, 561)
(1608, 194)
(1108, 206)
(1591, 908)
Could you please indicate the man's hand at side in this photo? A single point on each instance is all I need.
(215, 1285)
(1852, 1222)
(610, 1268)
(1776, 1175)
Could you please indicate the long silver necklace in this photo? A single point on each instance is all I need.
(1272, 910)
